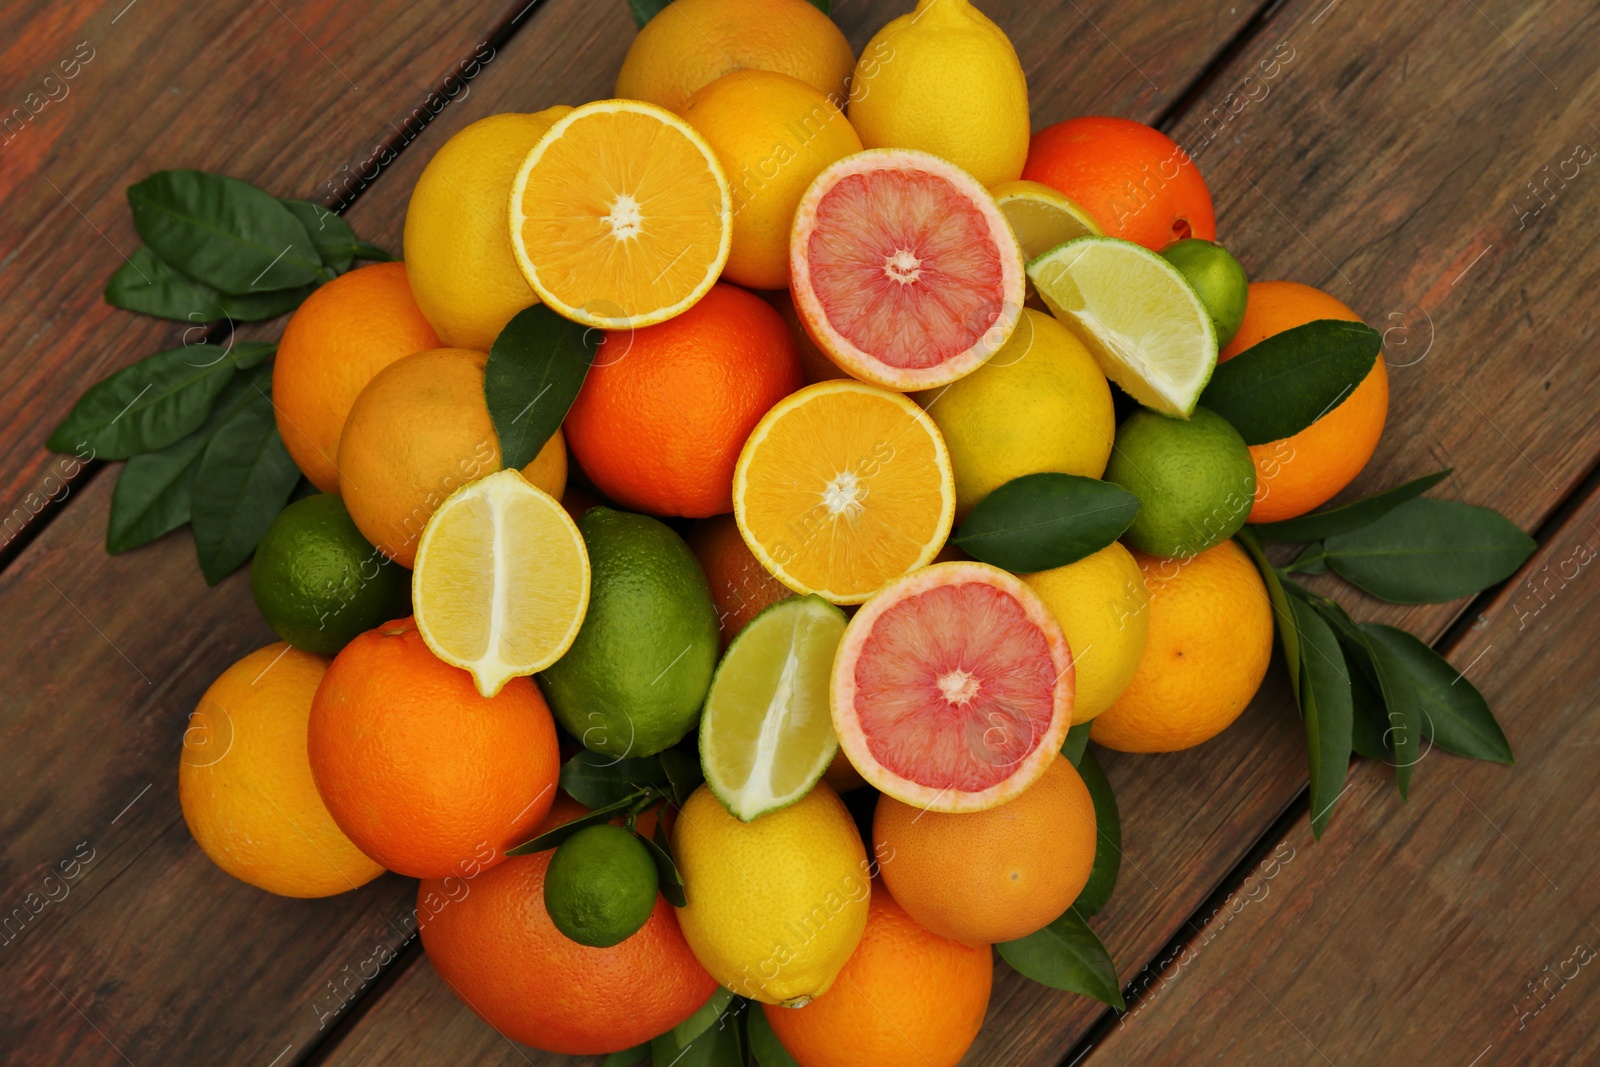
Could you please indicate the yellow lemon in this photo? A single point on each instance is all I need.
(1100, 603)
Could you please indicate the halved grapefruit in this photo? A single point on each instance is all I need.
(903, 269)
(953, 688)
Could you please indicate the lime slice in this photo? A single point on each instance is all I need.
(766, 734)
(1040, 216)
(1147, 327)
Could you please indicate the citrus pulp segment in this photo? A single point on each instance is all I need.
(842, 487)
(766, 734)
(620, 215)
(502, 580)
(953, 688)
(1150, 331)
(903, 270)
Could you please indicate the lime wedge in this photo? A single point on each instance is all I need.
(1040, 217)
(1145, 325)
(766, 734)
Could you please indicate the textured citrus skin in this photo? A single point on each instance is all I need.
(422, 772)
(694, 42)
(344, 333)
(777, 905)
(245, 783)
(491, 940)
(1210, 640)
(1305, 471)
(1099, 602)
(665, 409)
(944, 79)
(740, 587)
(907, 998)
(1135, 180)
(993, 875)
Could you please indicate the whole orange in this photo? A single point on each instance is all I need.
(422, 773)
(419, 431)
(1306, 470)
(906, 998)
(1209, 643)
(741, 588)
(665, 409)
(491, 940)
(993, 875)
(1135, 181)
(344, 333)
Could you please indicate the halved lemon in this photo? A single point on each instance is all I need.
(1040, 216)
(842, 487)
(620, 215)
(501, 582)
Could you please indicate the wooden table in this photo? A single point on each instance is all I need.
(1405, 156)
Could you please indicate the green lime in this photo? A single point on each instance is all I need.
(634, 679)
(766, 734)
(1217, 277)
(319, 583)
(1193, 477)
(600, 886)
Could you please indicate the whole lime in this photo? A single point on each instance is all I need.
(600, 886)
(1193, 477)
(319, 583)
(1218, 279)
(634, 679)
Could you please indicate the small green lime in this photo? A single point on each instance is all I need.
(600, 886)
(1194, 480)
(319, 583)
(1217, 277)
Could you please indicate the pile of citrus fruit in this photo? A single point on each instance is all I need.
(744, 683)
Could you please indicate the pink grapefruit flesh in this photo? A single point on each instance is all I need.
(904, 270)
(953, 688)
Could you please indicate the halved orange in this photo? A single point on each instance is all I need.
(842, 487)
(620, 215)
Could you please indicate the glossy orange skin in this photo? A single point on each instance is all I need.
(741, 588)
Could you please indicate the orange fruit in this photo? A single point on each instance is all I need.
(1304, 471)
(906, 998)
(994, 875)
(416, 434)
(245, 783)
(662, 415)
(740, 586)
(620, 215)
(1207, 651)
(693, 42)
(841, 487)
(1137, 183)
(344, 333)
(494, 945)
(421, 771)
(815, 366)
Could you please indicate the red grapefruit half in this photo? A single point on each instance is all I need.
(903, 269)
(953, 688)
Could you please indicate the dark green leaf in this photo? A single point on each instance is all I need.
(245, 478)
(1309, 562)
(1284, 383)
(149, 286)
(153, 493)
(553, 837)
(1347, 518)
(1108, 839)
(330, 235)
(1287, 636)
(765, 1047)
(1403, 703)
(821, 5)
(146, 406)
(1066, 955)
(595, 780)
(223, 232)
(1325, 707)
(720, 1045)
(368, 250)
(248, 354)
(645, 10)
(536, 367)
(1454, 714)
(683, 773)
(1430, 551)
(1041, 521)
(666, 870)
(628, 1057)
(1369, 723)
(704, 1016)
(1077, 740)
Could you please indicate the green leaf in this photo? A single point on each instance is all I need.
(683, 773)
(368, 250)
(149, 286)
(1309, 562)
(1108, 839)
(244, 480)
(1430, 551)
(223, 232)
(1284, 383)
(1369, 723)
(765, 1047)
(1041, 521)
(719, 1045)
(1404, 704)
(1350, 517)
(666, 870)
(628, 1057)
(330, 234)
(553, 837)
(1454, 714)
(248, 354)
(148, 405)
(1288, 637)
(1076, 743)
(821, 5)
(704, 1016)
(1325, 707)
(595, 780)
(1066, 955)
(645, 10)
(536, 367)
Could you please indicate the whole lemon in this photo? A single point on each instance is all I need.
(776, 906)
(773, 134)
(457, 239)
(1100, 603)
(1040, 404)
(946, 80)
